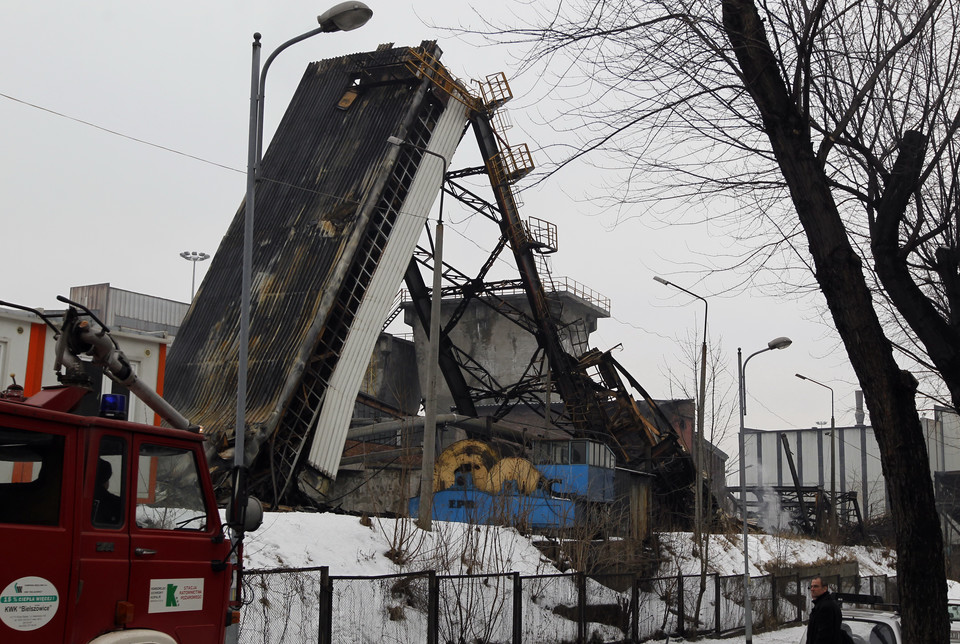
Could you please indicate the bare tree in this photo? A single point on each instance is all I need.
(719, 410)
(832, 122)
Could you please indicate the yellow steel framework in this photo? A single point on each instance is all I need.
(515, 162)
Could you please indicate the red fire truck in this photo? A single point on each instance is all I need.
(109, 530)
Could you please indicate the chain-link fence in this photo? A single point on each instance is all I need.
(310, 605)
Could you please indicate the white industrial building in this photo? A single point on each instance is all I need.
(143, 325)
(856, 458)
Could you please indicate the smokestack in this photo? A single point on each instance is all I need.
(859, 415)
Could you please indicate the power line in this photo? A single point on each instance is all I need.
(120, 134)
(169, 149)
(165, 148)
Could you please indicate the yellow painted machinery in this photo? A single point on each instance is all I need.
(489, 471)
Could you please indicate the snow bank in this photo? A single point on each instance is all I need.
(388, 546)
(725, 554)
(374, 546)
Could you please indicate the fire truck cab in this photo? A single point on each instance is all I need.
(106, 526)
(109, 530)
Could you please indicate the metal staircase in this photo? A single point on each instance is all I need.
(596, 400)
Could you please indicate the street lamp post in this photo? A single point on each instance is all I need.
(344, 16)
(425, 511)
(698, 447)
(193, 257)
(833, 427)
(776, 343)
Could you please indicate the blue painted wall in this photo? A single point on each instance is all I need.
(469, 505)
(586, 481)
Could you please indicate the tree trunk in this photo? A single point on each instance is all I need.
(889, 393)
(940, 339)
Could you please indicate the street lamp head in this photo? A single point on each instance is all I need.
(816, 382)
(657, 278)
(194, 256)
(395, 140)
(779, 343)
(345, 16)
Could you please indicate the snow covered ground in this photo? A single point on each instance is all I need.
(789, 635)
(300, 539)
(725, 554)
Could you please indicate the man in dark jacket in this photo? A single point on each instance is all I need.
(824, 626)
(107, 507)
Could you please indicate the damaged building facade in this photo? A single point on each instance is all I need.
(344, 194)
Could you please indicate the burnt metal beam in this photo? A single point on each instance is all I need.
(467, 288)
(573, 386)
(467, 172)
(804, 516)
(420, 298)
(472, 200)
(372, 402)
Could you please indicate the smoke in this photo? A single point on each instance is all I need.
(770, 515)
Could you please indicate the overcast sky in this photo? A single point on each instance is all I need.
(84, 206)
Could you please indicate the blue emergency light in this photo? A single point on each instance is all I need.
(113, 406)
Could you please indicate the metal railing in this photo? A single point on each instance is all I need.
(310, 605)
(568, 285)
(560, 284)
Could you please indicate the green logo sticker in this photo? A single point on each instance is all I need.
(28, 603)
(175, 595)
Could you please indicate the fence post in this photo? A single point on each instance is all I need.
(581, 607)
(799, 601)
(635, 609)
(717, 598)
(774, 609)
(433, 607)
(680, 604)
(325, 626)
(517, 608)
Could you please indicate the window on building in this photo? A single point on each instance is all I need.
(562, 453)
(578, 452)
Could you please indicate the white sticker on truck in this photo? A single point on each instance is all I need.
(175, 595)
(28, 603)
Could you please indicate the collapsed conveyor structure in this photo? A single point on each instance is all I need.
(339, 213)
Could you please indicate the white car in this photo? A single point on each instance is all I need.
(869, 626)
(953, 609)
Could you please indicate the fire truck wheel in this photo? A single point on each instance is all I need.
(134, 636)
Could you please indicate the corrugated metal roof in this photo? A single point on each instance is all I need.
(118, 308)
(334, 420)
(325, 176)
